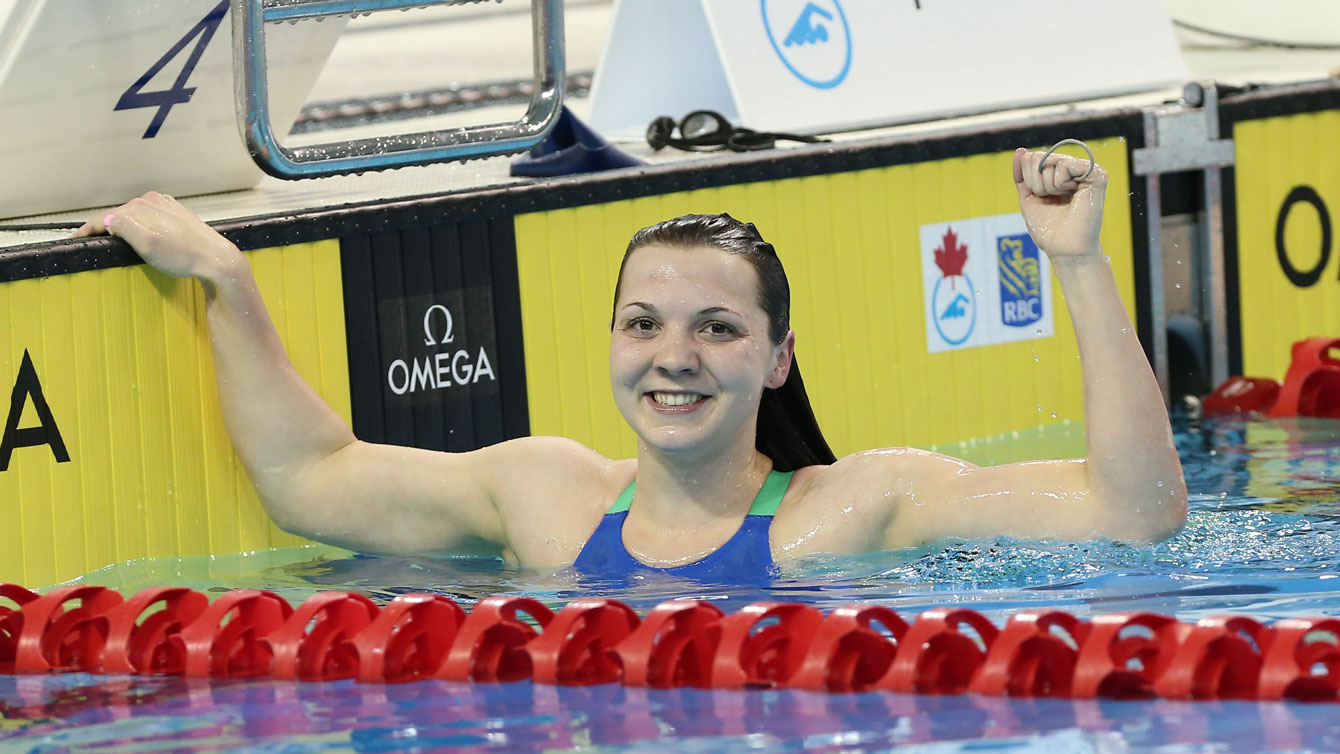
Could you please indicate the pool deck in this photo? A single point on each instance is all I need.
(472, 45)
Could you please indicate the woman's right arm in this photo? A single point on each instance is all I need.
(313, 476)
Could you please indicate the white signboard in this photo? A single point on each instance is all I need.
(984, 282)
(102, 100)
(820, 65)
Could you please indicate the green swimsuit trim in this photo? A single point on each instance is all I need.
(765, 503)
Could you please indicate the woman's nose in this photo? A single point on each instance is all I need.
(677, 354)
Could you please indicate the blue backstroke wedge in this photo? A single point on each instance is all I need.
(571, 148)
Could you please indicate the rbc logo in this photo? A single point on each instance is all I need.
(1020, 281)
(811, 37)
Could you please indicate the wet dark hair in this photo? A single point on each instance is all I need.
(787, 431)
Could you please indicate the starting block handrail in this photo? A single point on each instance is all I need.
(293, 10)
(251, 88)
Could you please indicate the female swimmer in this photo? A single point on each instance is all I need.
(731, 473)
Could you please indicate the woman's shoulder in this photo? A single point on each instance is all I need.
(873, 470)
(552, 492)
(559, 463)
(853, 504)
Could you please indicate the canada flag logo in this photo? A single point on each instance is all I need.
(983, 283)
(953, 300)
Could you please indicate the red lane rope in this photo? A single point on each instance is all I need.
(334, 635)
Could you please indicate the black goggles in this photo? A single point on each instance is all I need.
(709, 131)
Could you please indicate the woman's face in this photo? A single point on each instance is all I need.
(690, 353)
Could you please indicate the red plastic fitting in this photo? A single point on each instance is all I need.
(937, 655)
(491, 644)
(135, 646)
(312, 643)
(762, 645)
(1219, 658)
(1031, 656)
(576, 647)
(1312, 384)
(225, 641)
(55, 637)
(408, 639)
(1299, 647)
(672, 647)
(338, 634)
(848, 653)
(11, 623)
(1124, 653)
(1241, 395)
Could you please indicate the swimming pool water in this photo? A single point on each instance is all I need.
(1262, 538)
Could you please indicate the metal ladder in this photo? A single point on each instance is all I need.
(251, 89)
(1185, 137)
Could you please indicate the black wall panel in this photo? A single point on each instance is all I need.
(433, 315)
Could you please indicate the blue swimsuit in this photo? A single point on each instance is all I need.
(745, 557)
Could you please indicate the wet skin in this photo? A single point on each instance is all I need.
(688, 331)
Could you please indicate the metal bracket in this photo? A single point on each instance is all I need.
(1186, 135)
(251, 89)
(1181, 137)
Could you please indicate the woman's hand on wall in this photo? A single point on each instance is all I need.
(166, 235)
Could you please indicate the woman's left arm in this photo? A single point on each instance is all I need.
(1130, 484)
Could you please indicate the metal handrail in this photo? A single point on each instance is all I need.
(251, 88)
(292, 10)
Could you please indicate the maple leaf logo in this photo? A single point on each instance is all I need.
(951, 256)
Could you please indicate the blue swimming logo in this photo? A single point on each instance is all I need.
(1020, 280)
(954, 309)
(957, 308)
(806, 31)
(817, 47)
(953, 301)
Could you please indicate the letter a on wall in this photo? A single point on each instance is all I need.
(27, 387)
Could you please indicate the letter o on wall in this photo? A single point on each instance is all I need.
(390, 377)
(1300, 278)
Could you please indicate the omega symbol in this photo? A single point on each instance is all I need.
(447, 337)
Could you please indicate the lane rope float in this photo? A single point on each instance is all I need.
(336, 635)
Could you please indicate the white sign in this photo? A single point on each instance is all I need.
(102, 100)
(984, 282)
(822, 65)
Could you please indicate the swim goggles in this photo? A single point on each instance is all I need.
(709, 131)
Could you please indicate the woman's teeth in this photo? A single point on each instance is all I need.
(675, 399)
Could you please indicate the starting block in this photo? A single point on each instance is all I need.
(105, 99)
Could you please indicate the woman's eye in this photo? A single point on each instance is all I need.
(720, 328)
(640, 325)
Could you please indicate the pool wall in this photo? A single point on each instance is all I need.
(1282, 239)
(850, 242)
(115, 445)
(458, 320)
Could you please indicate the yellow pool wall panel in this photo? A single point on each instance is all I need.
(850, 243)
(124, 362)
(1275, 156)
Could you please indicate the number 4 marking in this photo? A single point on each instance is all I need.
(166, 99)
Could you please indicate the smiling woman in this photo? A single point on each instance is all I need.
(732, 475)
(701, 311)
(786, 430)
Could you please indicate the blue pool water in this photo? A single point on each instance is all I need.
(1262, 538)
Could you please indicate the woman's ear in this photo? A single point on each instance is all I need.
(781, 367)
